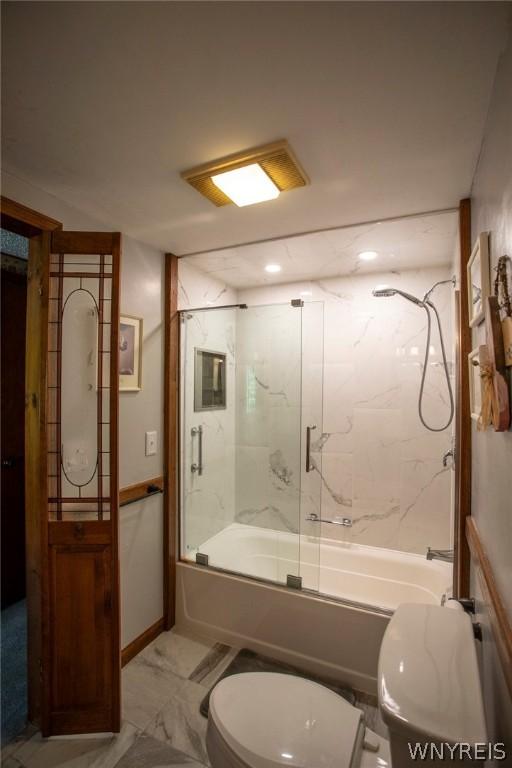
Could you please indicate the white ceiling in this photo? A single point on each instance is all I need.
(384, 103)
(402, 244)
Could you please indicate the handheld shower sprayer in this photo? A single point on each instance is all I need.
(378, 292)
(427, 305)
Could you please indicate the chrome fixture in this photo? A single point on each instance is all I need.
(449, 455)
(385, 292)
(427, 305)
(309, 465)
(446, 555)
(199, 466)
(313, 518)
(295, 582)
(468, 603)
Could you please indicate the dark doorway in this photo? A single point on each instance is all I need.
(13, 590)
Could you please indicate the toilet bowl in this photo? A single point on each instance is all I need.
(429, 692)
(270, 720)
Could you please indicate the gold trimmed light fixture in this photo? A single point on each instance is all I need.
(248, 177)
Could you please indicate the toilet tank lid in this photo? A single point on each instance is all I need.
(428, 675)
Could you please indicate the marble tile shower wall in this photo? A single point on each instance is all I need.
(375, 462)
(268, 417)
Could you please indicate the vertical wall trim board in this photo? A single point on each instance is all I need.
(463, 416)
(171, 428)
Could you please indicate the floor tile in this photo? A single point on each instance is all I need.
(148, 752)
(10, 748)
(213, 664)
(145, 691)
(216, 673)
(180, 723)
(373, 719)
(11, 762)
(176, 653)
(80, 752)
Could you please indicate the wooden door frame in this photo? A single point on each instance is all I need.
(38, 228)
(462, 511)
(171, 432)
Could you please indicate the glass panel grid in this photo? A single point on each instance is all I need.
(87, 497)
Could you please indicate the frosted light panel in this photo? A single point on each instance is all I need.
(247, 185)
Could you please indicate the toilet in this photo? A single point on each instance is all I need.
(428, 691)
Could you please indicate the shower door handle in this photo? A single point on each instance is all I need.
(309, 466)
(199, 466)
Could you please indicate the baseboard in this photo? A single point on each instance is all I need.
(140, 642)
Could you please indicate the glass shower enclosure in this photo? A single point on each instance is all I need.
(250, 430)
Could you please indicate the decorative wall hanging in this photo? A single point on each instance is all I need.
(478, 279)
(495, 366)
(501, 291)
(130, 354)
(475, 385)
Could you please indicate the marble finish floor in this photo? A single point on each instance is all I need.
(162, 689)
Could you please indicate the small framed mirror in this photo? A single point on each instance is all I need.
(209, 380)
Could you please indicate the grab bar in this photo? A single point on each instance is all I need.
(309, 466)
(199, 466)
(313, 518)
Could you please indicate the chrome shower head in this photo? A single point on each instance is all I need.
(379, 292)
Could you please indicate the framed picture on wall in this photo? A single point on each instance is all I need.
(130, 354)
(478, 279)
(475, 387)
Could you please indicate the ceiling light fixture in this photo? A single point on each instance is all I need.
(247, 185)
(272, 268)
(248, 177)
(368, 255)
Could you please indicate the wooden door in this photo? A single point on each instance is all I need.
(14, 302)
(80, 586)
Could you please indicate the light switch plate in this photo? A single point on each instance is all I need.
(151, 443)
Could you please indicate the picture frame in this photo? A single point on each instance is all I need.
(130, 353)
(478, 279)
(475, 387)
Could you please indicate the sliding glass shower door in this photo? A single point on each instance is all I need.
(243, 442)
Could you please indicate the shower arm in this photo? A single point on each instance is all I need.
(426, 298)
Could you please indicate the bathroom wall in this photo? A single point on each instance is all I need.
(491, 503)
(207, 501)
(375, 462)
(141, 524)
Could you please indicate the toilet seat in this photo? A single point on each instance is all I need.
(271, 720)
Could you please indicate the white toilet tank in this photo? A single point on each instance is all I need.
(429, 686)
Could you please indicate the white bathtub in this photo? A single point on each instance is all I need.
(369, 576)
